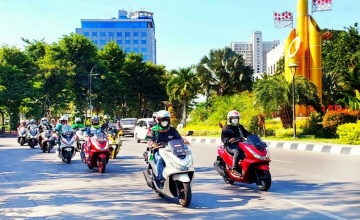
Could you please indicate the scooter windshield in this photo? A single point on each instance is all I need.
(178, 147)
(100, 136)
(22, 131)
(33, 130)
(48, 133)
(255, 141)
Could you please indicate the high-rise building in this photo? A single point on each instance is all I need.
(273, 58)
(254, 52)
(133, 33)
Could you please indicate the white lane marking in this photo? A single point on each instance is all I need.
(282, 161)
(314, 210)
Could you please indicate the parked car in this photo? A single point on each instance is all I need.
(142, 128)
(128, 125)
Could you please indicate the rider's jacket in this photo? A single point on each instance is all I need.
(230, 131)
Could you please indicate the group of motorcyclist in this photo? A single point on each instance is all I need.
(161, 132)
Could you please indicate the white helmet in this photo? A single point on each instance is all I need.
(163, 118)
(77, 120)
(233, 117)
(64, 118)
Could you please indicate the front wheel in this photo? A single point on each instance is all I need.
(113, 153)
(102, 165)
(68, 156)
(264, 180)
(137, 139)
(184, 194)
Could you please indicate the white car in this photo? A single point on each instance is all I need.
(142, 128)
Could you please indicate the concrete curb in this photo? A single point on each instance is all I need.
(345, 149)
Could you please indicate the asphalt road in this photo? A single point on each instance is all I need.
(306, 185)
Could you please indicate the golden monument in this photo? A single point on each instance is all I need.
(303, 47)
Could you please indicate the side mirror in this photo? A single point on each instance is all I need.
(189, 133)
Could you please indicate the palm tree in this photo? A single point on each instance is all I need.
(274, 94)
(183, 86)
(223, 72)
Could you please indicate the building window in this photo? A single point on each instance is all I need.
(136, 34)
(136, 42)
(94, 34)
(144, 57)
(86, 34)
(102, 34)
(127, 41)
(127, 49)
(143, 34)
(102, 42)
(119, 41)
(95, 41)
(144, 49)
(111, 34)
(143, 41)
(127, 34)
(119, 34)
(136, 49)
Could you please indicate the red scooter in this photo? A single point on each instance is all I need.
(254, 167)
(96, 151)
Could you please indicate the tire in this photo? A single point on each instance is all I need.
(68, 156)
(228, 181)
(184, 194)
(264, 182)
(113, 154)
(160, 194)
(43, 149)
(32, 146)
(49, 147)
(102, 165)
(22, 142)
(90, 167)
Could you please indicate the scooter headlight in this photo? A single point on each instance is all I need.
(266, 157)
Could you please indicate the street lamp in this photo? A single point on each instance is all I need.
(293, 67)
(90, 74)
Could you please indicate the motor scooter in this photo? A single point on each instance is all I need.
(254, 168)
(21, 136)
(115, 141)
(79, 138)
(32, 136)
(96, 151)
(67, 149)
(178, 171)
(46, 144)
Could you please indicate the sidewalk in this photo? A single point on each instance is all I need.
(346, 149)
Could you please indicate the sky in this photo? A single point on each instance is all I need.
(186, 30)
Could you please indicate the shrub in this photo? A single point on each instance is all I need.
(313, 125)
(349, 133)
(333, 119)
(281, 133)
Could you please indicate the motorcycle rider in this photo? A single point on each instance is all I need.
(94, 126)
(77, 124)
(43, 125)
(62, 122)
(105, 125)
(118, 125)
(230, 136)
(22, 125)
(53, 123)
(161, 133)
(31, 123)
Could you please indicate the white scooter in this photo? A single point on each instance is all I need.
(79, 137)
(178, 171)
(21, 136)
(67, 148)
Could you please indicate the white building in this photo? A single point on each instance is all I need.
(273, 57)
(254, 52)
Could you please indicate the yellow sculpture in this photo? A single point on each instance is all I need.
(303, 47)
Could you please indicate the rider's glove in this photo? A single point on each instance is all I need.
(154, 145)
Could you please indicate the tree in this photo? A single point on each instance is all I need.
(274, 94)
(223, 72)
(183, 86)
(16, 73)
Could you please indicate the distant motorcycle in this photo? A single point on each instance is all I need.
(114, 141)
(67, 141)
(96, 151)
(32, 136)
(254, 167)
(21, 136)
(79, 138)
(46, 144)
(178, 172)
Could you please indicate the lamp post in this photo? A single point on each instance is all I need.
(90, 74)
(293, 67)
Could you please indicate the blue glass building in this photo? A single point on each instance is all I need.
(133, 33)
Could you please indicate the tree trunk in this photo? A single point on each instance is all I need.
(286, 116)
(184, 112)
